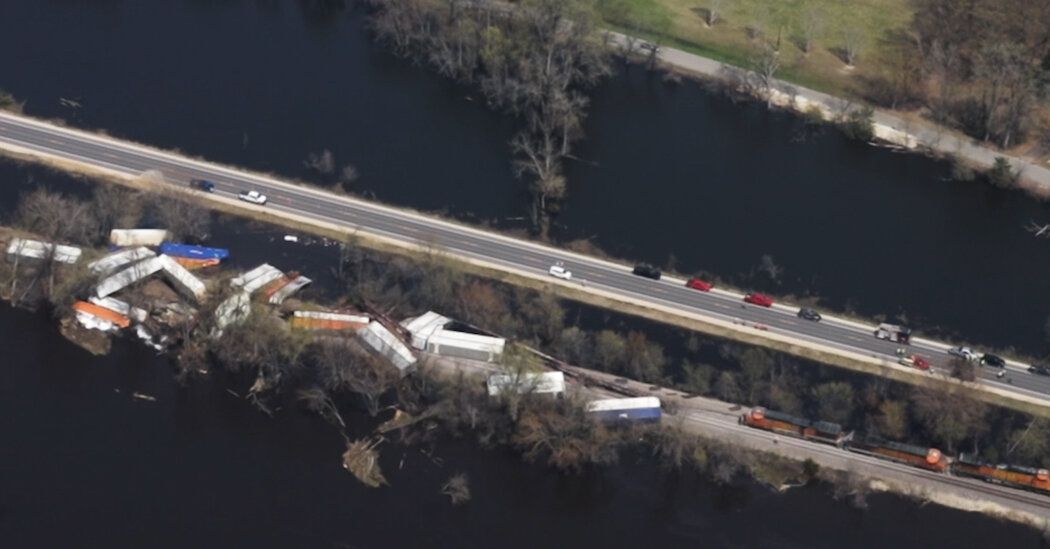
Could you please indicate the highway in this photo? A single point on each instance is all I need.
(21, 134)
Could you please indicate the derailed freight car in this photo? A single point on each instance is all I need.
(779, 422)
(917, 456)
(1016, 476)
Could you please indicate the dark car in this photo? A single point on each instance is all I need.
(1039, 370)
(203, 185)
(647, 270)
(806, 313)
(992, 360)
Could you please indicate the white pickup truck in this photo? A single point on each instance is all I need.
(255, 197)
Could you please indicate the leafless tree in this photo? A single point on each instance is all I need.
(116, 207)
(341, 368)
(1007, 91)
(322, 162)
(714, 11)
(810, 27)
(183, 218)
(767, 63)
(852, 42)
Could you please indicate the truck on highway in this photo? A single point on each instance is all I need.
(894, 333)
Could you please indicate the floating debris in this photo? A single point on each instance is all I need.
(362, 460)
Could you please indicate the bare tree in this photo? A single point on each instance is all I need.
(852, 42)
(181, 217)
(767, 63)
(714, 11)
(116, 207)
(340, 368)
(811, 25)
(1008, 90)
(322, 162)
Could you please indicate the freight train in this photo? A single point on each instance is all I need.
(932, 459)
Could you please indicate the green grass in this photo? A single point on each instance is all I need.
(681, 24)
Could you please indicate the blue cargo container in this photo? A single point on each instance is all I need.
(643, 409)
(193, 252)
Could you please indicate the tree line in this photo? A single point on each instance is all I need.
(533, 59)
(981, 66)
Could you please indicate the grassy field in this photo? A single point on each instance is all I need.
(743, 24)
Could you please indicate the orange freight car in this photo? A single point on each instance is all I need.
(1026, 478)
(103, 313)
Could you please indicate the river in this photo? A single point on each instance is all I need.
(86, 463)
(668, 170)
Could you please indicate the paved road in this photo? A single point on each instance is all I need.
(513, 254)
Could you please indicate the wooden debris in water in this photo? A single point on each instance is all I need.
(362, 460)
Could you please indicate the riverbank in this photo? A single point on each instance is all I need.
(903, 131)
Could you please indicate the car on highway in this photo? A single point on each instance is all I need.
(559, 271)
(647, 270)
(915, 361)
(255, 197)
(762, 300)
(807, 313)
(203, 185)
(993, 361)
(964, 353)
(1039, 370)
(697, 284)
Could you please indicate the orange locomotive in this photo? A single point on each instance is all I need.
(778, 422)
(1028, 478)
(917, 456)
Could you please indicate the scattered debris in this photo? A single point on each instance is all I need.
(143, 396)
(93, 341)
(457, 489)
(362, 460)
(291, 238)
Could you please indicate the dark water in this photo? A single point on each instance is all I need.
(83, 463)
(666, 171)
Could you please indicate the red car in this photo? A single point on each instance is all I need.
(762, 300)
(697, 284)
(915, 361)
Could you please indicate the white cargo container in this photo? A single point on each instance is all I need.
(539, 383)
(284, 292)
(111, 262)
(255, 279)
(175, 273)
(423, 326)
(122, 307)
(463, 345)
(382, 341)
(36, 249)
(137, 237)
(626, 409)
(130, 275)
(181, 278)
